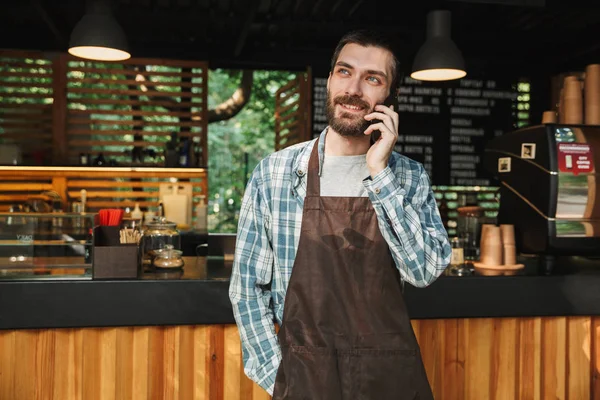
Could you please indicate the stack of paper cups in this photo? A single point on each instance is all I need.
(561, 106)
(549, 117)
(508, 244)
(592, 94)
(573, 103)
(491, 245)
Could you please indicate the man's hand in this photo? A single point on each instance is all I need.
(379, 153)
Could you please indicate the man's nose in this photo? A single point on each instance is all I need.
(354, 87)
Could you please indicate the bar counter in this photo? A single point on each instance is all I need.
(172, 335)
(197, 295)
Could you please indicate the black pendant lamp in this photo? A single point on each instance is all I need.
(98, 36)
(438, 59)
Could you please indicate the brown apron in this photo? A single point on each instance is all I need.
(345, 334)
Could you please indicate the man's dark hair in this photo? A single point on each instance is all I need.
(368, 38)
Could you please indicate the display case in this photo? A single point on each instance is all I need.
(45, 246)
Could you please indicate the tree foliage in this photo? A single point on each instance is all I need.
(236, 145)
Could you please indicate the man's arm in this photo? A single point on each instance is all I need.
(249, 289)
(412, 227)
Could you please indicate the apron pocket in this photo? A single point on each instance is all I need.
(307, 373)
(386, 374)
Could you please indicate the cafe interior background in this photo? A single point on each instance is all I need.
(201, 90)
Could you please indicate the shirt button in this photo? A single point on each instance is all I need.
(377, 191)
(300, 172)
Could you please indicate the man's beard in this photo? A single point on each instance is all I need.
(347, 124)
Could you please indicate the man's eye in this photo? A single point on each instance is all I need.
(343, 71)
(374, 79)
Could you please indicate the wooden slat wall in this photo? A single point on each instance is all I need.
(475, 359)
(105, 188)
(25, 114)
(292, 112)
(17, 190)
(135, 103)
(56, 108)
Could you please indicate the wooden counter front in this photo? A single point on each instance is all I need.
(478, 359)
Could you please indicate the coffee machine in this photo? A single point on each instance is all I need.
(549, 188)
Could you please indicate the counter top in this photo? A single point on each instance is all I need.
(199, 295)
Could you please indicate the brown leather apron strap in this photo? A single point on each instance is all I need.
(313, 186)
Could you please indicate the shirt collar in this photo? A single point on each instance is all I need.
(301, 164)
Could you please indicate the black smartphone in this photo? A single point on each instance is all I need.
(392, 99)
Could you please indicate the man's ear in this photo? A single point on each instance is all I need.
(328, 78)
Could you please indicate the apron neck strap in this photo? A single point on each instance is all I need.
(314, 180)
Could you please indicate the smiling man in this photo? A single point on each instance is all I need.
(329, 230)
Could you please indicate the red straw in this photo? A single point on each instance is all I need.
(111, 217)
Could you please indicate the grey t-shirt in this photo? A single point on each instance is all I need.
(342, 176)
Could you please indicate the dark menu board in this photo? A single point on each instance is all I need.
(445, 125)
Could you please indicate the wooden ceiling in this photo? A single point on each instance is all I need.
(547, 35)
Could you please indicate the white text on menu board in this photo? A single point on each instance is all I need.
(468, 104)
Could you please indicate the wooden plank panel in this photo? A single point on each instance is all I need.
(117, 132)
(24, 376)
(127, 92)
(19, 95)
(128, 123)
(530, 358)
(7, 364)
(478, 336)
(186, 363)
(22, 187)
(118, 194)
(89, 143)
(23, 115)
(140, 363)
(132, 82)
(68, 344)
(216, 363)
(163, 362)
(99, 361)
(145, 62)
(259, 393)
(124, 363)
(579, 357)
(44, 364)
(131, 72)
(110, 184)
(24, 85)
(232, 363)
(40, 139)
(24, 107)
(453, 360)
(25, 74)
(505, 359)
(595, 358)
(554, 358)
(202, 359)
(33, 125)
(156, 361)
(431, 334)
(147, 103)
(131, 112)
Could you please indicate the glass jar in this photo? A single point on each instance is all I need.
(468, 230)
(168, 257)
(158, 234)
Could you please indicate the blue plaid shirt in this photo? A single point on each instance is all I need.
(269, 230)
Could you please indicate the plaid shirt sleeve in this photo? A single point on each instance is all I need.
(411, 224)
(249, 289)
